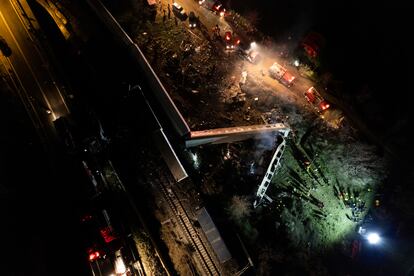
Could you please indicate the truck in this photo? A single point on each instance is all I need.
(316, 100)
(231, 40)
(215, 6)
(281, 74)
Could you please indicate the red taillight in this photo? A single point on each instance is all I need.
(86, 218)
(228, 37)
(94, 255)
(324, 106)
(237, 41)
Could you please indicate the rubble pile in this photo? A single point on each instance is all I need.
(198, 76)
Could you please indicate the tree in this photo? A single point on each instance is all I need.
(354, 162)
(240, 208)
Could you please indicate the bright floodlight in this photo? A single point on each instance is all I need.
(253, 45)
(296, 63)
(373, 238)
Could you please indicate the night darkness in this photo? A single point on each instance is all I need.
(43, 194)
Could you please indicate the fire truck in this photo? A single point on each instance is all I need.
(317, 101)
(215, 6)
(232, 41)
(281, 74)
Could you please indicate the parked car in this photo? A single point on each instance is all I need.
(65, 132)
(179, 11)
(4, 47)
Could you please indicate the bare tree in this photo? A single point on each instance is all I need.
(354, 162)
(240, 207)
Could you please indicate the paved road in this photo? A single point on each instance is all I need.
(28, 68)
(207, 18)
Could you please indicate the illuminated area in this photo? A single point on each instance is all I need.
(373, 238)
(296, 63)
(320, 213)
(94, 256)
(120, 268)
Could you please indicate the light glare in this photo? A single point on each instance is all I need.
(373, 238)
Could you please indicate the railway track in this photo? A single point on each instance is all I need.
(201, 250)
